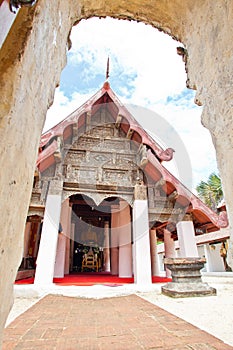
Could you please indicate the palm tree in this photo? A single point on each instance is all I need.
(210, 192)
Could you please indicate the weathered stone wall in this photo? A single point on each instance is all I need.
(210, 69)
(31, 61)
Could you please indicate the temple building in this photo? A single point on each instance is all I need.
(102, 199)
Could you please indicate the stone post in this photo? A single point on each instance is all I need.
(141, 254)
(106, 247)
(186, 278)
(125, 246)
(48, 242)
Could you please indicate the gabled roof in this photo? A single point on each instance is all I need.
(133, 125)
(155, 153)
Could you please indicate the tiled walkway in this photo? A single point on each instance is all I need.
(119, 323)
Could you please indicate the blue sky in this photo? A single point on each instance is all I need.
(145, 72)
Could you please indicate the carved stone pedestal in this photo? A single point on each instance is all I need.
(186, 278)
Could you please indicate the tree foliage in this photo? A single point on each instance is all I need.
(210, 191)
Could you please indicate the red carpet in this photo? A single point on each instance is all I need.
(90, 279)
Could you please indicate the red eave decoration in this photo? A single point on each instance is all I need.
(220, 221)
(46, 153)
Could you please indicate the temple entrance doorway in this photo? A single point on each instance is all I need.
(95, 236)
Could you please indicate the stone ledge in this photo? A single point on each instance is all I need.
(182, 261)
(181, 290)
(218, 277)
(186, 278)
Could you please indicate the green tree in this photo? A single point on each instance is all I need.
(210, 191)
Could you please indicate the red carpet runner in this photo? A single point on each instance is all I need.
(90, 279)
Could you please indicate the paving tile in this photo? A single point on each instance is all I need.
(118, 323)
(199, 346)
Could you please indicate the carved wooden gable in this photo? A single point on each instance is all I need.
(101, 157)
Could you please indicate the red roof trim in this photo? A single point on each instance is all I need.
(219, 221)
(86, 107)
(47, 152)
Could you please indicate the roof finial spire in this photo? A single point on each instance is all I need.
(107, 70)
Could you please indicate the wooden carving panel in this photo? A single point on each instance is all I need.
(86, 143)
(99, 157)
(117, 145)
(113, 175)
(75, 157)
(86, 175)
(99, 131)
(128, 161)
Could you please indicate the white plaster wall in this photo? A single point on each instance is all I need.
(201, 254)
(215, 261)
(161, 256)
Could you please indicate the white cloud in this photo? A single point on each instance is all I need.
(63, 106)
(157, 72)
(196, 139)
(134, 48)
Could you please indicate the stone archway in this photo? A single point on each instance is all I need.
(32, 58)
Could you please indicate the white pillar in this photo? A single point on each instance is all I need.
(208, 260)
(125, 246)
(106, 247)
(214, 260)
(169, 248)
(186, 238)
(142, 261)
(114, 239)
(48, 242)
(153, 253)
(59, 269)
